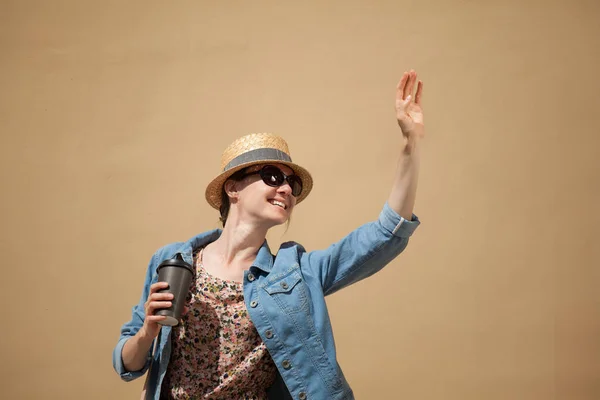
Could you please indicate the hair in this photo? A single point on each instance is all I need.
(225, 204)
(224, 209)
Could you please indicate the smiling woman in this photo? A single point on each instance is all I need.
(274, 175)
(255, 325)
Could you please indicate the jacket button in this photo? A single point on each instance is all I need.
(286, 364)
(284, 285)
(269, 334)
(253, 303)
(251, 277)
(302, 396)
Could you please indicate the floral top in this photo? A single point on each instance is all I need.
(216, 350)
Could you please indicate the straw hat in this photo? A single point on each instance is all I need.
(256, 148)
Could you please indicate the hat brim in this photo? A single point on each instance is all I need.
(214, 188)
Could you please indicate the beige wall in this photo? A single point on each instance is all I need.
(113, 115)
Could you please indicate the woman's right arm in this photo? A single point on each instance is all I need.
(135, 349)
(133, 353)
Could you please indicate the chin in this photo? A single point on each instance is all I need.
(279, 219)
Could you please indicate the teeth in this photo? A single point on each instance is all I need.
(278, 203)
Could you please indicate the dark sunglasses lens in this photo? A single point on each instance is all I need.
(296, 185)
(272, 176)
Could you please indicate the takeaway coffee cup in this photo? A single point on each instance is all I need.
(178, 274)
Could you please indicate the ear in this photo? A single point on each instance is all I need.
(231, 189)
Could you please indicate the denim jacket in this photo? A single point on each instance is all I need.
(285, 298)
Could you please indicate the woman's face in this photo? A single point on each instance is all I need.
(257, 200)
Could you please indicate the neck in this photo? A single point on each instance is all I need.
(239, 243)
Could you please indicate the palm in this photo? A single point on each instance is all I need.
(409, 111)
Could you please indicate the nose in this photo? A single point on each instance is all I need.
(285, 188)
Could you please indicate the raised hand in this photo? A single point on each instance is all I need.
(409, 112)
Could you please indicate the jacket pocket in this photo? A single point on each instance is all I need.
(288, 291)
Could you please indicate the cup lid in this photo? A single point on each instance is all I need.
(175, 262)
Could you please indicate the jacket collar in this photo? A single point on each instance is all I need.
(263, 261)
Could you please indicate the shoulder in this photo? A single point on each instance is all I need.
(167, 250)
(288, 247)
(291, 252)
(161, 254)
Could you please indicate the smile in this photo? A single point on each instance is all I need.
(278, 203)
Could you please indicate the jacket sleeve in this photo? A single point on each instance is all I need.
(362, 253)
(130, 328)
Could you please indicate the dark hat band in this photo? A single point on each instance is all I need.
(258, 155)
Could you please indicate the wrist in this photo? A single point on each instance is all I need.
(143, 337)
(411, 144)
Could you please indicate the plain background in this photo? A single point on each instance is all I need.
(114, 114)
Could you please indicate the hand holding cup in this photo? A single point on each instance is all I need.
(156, 301)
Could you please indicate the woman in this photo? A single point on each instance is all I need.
(256, 325)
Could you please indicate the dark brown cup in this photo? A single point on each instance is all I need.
(178, 274)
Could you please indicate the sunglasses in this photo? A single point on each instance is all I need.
(274, 177)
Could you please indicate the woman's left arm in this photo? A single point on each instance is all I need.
(370, 247)
(409, 114)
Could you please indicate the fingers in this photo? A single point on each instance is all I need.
(419, 94)
(158, 286)
(156, 318)
(152, 306)
(160, 296)
(155, 305)
(412, 77)
(401, 86)
(406, 86)
(158, 300)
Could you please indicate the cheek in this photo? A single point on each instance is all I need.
(256, 192)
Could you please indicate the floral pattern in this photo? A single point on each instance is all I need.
(216, 350)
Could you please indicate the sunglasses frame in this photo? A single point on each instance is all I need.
(268, 183)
